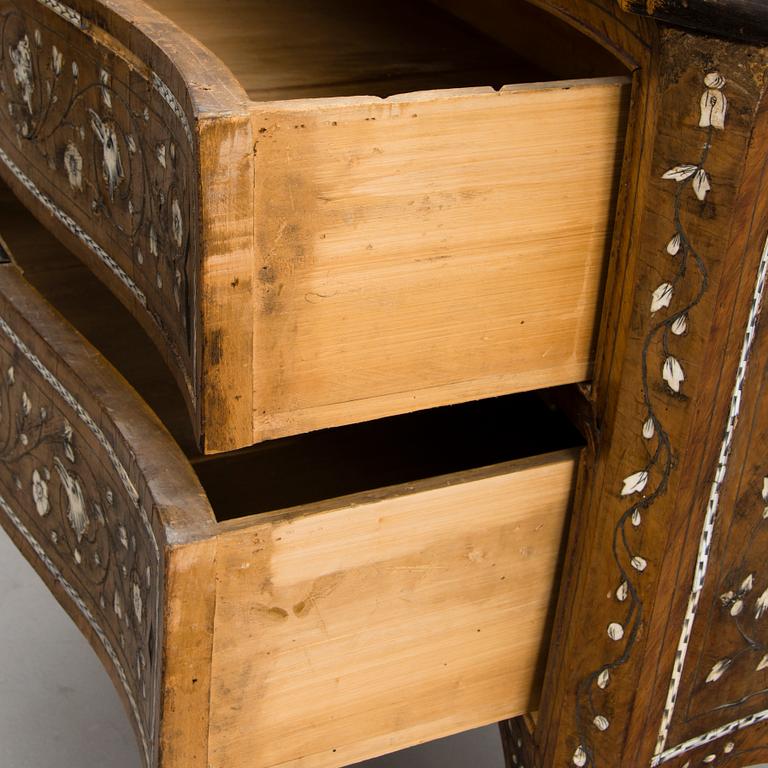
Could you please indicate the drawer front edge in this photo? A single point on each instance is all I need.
(84, 496)
(345, 632)
(101, 137)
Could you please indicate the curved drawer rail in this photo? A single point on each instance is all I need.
(98, 520)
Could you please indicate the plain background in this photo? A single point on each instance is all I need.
(58, 708)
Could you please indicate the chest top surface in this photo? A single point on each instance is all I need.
(739, 19)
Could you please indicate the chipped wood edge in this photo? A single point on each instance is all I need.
(190, 591)
(226, 302)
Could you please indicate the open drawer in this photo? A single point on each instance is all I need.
(335, 212)
(310, 601)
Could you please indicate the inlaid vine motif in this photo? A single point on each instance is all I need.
(104, 145)
(719, 757)
(66, 493)
(745, 604)
(662, 369)
(732, 752)
(518, 751)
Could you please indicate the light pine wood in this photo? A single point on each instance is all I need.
(151, 211)
(660, 637)
(358, 623)
(428, 249)
(226, 284)
(186, 681)
(338, 600)
(230, 221)
(344, 631)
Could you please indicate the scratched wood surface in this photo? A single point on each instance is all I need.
(359, 316)
(358, 628)
(357, 562)
(700, 697)
(658, 653)
(115, 143)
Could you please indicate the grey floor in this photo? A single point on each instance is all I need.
(58, 708)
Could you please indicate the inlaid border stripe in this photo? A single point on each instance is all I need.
(66, 13)
(86, 612)
(75, 229)
(133, 495)
(705, 542)
(87, 419)
(700, 741)
(71, 16)
(106, 259)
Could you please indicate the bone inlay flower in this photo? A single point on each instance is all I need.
(76, 514)
(73, 164)
(112, 164)
(21, 57)
(40, 494)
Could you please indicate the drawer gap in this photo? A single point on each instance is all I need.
(330, 463)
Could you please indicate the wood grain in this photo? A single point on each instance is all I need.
(190, 606)
(618, 648)
(198, 223)
(102, 135)
(386, 454)
(518, 741)
(226, 406)
(376, 245)
(724, 679)
(361, 626)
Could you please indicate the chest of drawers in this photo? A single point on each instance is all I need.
(289, 374)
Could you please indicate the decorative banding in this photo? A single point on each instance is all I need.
(100, 37)
(75, 229)
(81, 606)
(132, 494)
(73, 17)
(705, 542)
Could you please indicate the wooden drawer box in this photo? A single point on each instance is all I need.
(304, 254)
(307, 602)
